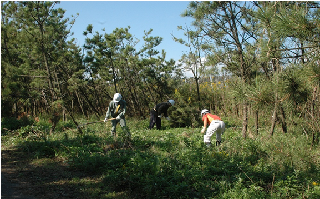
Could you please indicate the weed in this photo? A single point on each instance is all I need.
(174, 162)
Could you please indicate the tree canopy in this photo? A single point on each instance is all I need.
(269, 49)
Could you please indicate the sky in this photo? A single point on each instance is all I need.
(161, 16)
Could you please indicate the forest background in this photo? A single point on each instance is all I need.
(270, 52)
(270, 81)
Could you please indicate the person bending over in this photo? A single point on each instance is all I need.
(216, 126)
(155, 113)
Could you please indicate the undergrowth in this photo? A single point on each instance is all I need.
(174, 162)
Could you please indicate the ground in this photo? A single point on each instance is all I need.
(11, 189)
(25, 180)
(11, 185)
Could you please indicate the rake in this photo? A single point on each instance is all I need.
(94, 122)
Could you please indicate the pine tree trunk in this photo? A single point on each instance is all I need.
(80, 104)
(283, 119)
(274, 118)
(257, 121)
(245, 120)
(275, 64)
(314, 114)
(198, 92)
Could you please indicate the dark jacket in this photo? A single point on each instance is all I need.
(162, 108)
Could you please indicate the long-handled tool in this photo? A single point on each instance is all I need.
(95, 122)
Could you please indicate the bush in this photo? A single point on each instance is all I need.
(185, 117)
(39, 149)
(45, 152)
(25, 131)
(10, 123)
(61, 126)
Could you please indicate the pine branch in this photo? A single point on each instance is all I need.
(32, 76)
(289, 49)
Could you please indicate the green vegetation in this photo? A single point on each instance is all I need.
(267, 92)
(174, 162)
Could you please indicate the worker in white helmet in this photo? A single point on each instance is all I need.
(155, 113)
(117, 109)
(216, 125)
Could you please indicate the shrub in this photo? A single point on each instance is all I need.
(45, 152)
(13, 123)
(185, 117)
(65, 125)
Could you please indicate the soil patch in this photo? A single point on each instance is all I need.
(21, 178)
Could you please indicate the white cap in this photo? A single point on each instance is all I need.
(117, 97)
(171, 102)
(204, 111)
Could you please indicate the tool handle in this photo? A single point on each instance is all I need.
(95, 122)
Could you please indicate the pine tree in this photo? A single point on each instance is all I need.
(222, 23)
(45, 61)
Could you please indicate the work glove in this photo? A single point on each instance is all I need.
(118, 117)
(203, 130)
(168, 118)
(105, 119)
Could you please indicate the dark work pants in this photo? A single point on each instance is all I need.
(154, 119)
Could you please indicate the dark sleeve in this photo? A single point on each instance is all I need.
(163, 108)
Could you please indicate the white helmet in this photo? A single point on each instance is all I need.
(204, 111)
(171, 102)
(117, 97)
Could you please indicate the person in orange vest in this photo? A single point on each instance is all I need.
(216, 125)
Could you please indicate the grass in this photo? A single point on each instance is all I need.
(170, 163)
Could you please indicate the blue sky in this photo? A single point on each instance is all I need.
(162, 16)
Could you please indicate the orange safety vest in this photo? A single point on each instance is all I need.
(209, 117)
